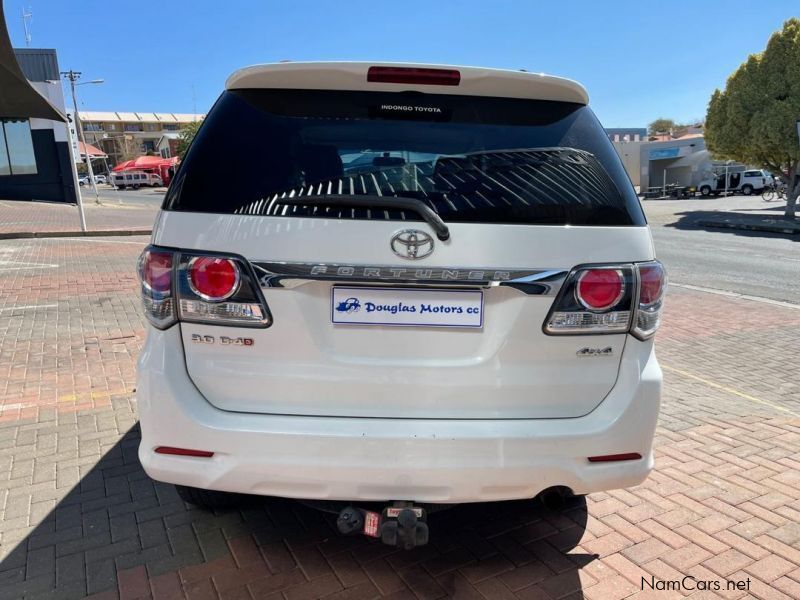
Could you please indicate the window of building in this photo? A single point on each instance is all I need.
(133, 127)
(16, 148)
(171, 127)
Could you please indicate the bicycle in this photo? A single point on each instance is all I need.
(775, 192)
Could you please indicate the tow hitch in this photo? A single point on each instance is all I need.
(401, 525)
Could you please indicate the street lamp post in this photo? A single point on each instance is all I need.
(73, 76)
(727, 162)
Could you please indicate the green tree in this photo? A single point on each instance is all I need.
(753, 119)
(660, 125)
(186, 136)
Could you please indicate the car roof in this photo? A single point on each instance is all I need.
(352, 76)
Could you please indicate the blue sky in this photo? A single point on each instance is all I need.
(639, 60)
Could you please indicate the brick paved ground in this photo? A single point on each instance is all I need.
(39, 217)
(79, 517)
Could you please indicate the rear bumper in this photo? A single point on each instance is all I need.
(392, 459)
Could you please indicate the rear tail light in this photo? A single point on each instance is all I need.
(155, 273)
(652, 285)
(594, 299)
(599, 299)
(414, 75)
(600, 289)
(213, 278)
(200, 288)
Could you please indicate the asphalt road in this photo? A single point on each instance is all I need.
(148, 196)
(742, 262)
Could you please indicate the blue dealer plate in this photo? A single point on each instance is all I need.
(405, 307)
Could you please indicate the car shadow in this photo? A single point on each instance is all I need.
(117, 529)
(696, 221)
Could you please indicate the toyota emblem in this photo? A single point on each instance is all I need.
(412, 244)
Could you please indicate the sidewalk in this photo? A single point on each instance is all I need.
(748, 213)
(20, 219)
(766, 220)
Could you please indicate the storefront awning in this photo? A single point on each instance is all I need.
(93, 151)
(17, 97)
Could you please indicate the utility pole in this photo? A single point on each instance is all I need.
(73, 76)
(78, 195)
(727, 162)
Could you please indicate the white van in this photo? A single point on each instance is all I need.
(136, 179)
(420, 285)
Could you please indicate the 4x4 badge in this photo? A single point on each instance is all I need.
(607, 351)
(412, 243)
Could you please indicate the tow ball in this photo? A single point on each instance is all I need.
(401, 525)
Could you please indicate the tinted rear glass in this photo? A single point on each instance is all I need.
(471, 159)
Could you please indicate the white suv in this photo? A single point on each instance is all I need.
(424, 285)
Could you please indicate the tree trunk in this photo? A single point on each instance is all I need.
(793, 192)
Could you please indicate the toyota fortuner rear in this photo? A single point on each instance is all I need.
(432, 284)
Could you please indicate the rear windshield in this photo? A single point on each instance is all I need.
(471, 159)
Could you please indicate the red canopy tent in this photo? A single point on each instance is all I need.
(153, 164)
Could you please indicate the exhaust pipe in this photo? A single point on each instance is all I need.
(554, 498)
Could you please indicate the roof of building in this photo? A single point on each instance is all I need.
(639, 130)
(93, 150)
(474, 81)
(142, 117)
(38, 64)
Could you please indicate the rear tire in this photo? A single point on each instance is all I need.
(207, 499)
(747, 190)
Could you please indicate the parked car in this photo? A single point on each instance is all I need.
(468, 315)
(747, 182)
(84, 179)
(136, 179)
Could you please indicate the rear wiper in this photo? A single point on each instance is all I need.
(375, 201)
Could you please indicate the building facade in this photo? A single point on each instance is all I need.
(684, 162)
(126, 135)
(35, 159)
(626, 134)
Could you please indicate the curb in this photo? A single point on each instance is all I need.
(772, 228)
(60, 234)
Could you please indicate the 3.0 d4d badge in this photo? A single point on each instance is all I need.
(224, 340)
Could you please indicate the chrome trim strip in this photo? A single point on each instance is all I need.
(537, 282)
